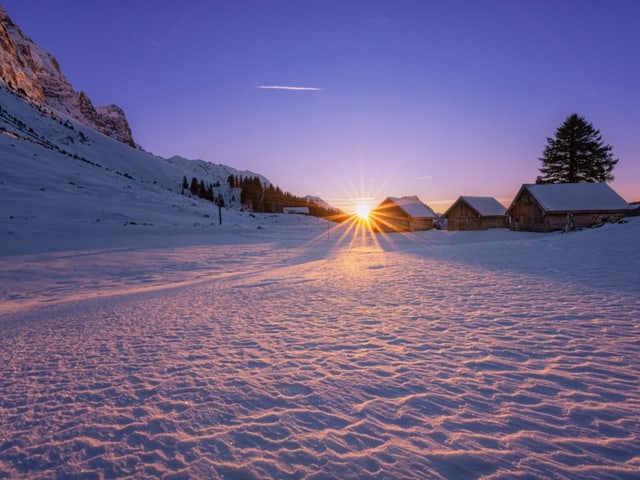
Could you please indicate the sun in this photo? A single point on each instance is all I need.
(362, 211)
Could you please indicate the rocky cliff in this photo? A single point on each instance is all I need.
(31, 71)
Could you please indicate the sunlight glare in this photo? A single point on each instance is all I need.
(363, 210)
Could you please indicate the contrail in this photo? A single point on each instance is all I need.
(288, 87)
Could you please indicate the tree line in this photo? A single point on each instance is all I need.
(254, 195)
(200, 189)
(267, 198)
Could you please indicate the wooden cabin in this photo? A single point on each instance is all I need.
(402, 214)
(565, 206)
(476, 213)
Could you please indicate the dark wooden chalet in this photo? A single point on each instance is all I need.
(476, 213)
(403, 214)
(564, 206)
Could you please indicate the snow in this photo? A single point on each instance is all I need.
(319, 201)
(413, 207)
(486, 206)
(141, 339)
(56, 176)
(562, 197)
(290, 351)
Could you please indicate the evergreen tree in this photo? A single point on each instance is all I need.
(195, 186)
(185, 182)
(245, 194)
(576, 154)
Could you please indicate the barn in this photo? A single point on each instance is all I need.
(564, 206)
(402, 214)
(476, 213)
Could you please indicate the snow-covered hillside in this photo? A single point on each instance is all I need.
(55, 174)
(290, 351)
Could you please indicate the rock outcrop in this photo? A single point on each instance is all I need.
(34, 73)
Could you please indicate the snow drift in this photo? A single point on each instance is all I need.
(291, 351)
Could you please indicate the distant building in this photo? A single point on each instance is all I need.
(296, 210)
(404, 214)
(476, 213)
(564, 206)
(635, 209)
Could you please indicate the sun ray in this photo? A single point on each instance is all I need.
(362, 224)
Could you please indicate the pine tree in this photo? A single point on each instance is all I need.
(195, 186)
(576, 154)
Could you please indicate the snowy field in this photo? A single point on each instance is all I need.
(293, 352)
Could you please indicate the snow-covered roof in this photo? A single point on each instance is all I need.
(412, 206)
(485, 206)
(576, 197)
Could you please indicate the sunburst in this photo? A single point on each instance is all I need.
(363, 210)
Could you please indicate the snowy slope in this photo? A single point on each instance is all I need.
(319, 201)
(55, 174)
(293, 352)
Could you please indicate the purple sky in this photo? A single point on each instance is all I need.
(430, 98)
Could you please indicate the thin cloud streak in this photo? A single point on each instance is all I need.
(288, 87)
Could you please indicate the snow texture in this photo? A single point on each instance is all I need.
(141, 339)
(290, 351)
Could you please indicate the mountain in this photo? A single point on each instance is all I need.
(34, 73)
(57, 174)
(320, 202)
(67, 166)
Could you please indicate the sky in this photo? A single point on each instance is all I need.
(384, 98)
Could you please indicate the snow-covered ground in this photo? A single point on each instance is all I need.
(141, 339)
(275, 347)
